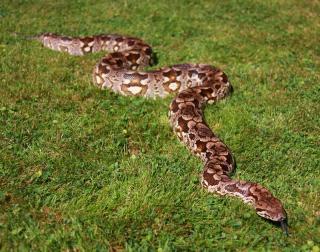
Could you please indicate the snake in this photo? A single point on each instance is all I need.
(194, 85)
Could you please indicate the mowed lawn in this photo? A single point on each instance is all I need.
(83, 169)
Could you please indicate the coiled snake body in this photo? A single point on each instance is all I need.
(195, 85)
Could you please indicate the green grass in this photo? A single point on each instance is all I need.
(83, 169)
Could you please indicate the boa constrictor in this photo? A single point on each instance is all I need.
(195, 84)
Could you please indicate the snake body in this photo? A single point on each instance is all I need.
(121, 70)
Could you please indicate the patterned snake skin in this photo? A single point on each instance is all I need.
(195, 85)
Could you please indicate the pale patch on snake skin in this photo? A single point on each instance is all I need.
(135, 89)
(195, 85)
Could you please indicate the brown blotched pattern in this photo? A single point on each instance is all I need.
(195, 85)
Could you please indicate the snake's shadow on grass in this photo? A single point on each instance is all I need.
(278, 225)
(155, 59)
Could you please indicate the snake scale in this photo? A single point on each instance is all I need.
(121, 70)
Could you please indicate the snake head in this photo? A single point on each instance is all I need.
(272, 209)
